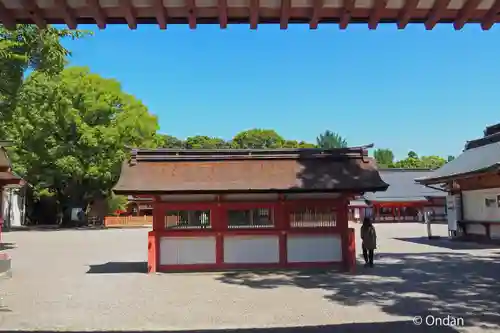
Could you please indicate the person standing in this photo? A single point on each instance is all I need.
(369, 241)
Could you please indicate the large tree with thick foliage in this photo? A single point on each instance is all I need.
(28, 48)
(71, 133)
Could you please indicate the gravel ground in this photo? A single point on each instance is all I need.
(93, 280)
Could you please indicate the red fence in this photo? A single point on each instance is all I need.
(128, 221)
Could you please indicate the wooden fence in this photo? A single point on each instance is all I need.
(128, 221)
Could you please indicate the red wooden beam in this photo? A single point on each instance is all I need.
(191, 9)
(69, 17)
(161, 14)
(7, 17)
(254, 14)
(129, 13)
(35, 13)
(316, 16)
(99, 16)
(376, 13)
(465, 13)
(346, 14)
(285, 13)
(223, 14)
(490, 17)
(436, 13)
(406, 13)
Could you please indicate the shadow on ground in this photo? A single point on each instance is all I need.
(7, 246)
(438, 284)
(381, 327)
(449, 244)
(119, 267)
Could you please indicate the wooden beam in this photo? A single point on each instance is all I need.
(69, 17)
(406, 13)
(376, 13)
(490, 17)
(191, 9)
(161, 14)
(223, 14)
(285, 13)
(99, 15)
(465, 13)
(254, 14)
(6, 17)
(346, 14)
(316, 16)
(436, 12)
(35, 13)
(129, 13)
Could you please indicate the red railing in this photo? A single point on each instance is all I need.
(128, 221)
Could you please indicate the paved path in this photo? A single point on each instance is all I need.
(94, 280)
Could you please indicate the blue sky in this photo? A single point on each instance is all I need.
(427, 91)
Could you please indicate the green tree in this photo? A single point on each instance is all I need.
(432, 162)
(169, 141)
(410, 162)
(450, 158)
(258, 139)
(116, 202)
(205, 142)
(29, 48)
(384, 157)
(71, 132)
(330, 140)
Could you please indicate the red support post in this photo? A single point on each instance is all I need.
(345, 234)
(154, 236)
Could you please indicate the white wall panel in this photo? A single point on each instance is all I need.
(314, 248)
(251, 249)
(187, 250)
(475, 208)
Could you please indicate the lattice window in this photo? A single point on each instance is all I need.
(187, 219)
(313, 218)
(250, 218)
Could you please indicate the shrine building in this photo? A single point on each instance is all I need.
(225, 209)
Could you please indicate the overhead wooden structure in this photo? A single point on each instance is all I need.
(253, 12)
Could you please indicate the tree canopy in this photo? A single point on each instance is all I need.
(384, 157)
(412, 161)
(329, 140)
(71, 132)
(29, 48)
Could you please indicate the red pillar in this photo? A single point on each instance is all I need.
(154, 237)
(346, 236)
(282, 223)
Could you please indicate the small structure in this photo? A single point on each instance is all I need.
(220, 209)
(405, 200)
(253, 12)
(473, 184)
(139, 205)
(7, 178)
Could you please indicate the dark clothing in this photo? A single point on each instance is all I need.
(369, 237)
(368, 256)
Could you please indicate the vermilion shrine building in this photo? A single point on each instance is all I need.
(473, 184)
(405, 200)
(217, 209)
(252, 12)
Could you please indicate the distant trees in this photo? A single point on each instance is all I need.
(329, 140)
(384, 157)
